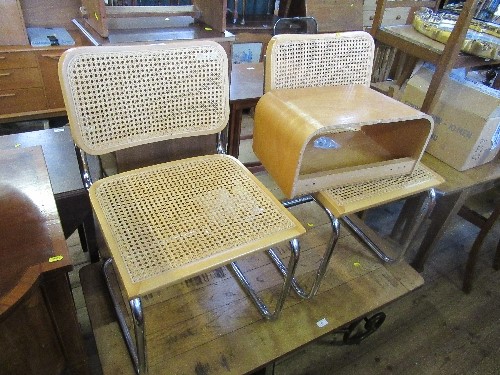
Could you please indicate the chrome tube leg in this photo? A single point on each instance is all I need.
(326, 257)
(140, 337)
(263, 309)
(137, 347)
(424, 211)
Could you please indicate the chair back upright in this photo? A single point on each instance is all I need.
(118, 97)
(316, 60)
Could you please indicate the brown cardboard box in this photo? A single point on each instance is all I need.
(466, 119)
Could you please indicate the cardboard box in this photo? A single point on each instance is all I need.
(310, 139)
(466, 119)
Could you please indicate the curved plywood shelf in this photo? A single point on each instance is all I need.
(370, 136)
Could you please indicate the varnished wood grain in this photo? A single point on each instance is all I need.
(208, 324)
(35, 296)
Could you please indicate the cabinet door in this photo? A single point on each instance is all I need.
(47, 61)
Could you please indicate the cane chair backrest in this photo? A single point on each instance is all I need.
(315, 60)
(122, 96)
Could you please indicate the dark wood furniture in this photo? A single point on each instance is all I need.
(39, 330)
(452, 195)
(71, 198)
(247, 86)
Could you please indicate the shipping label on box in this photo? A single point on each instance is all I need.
(466, 120)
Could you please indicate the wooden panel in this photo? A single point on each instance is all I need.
(23, 100)
(392, 16)
(213, 13)
(336, 15)
(20, 78)
(48, 61)
(287, 122)
(22, 351)
(208, 322)
(50, 13)
(11, 18)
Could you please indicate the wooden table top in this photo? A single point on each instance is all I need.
(457, 181)
(151, 34)
(30, 229)
(59, 152)
(247, 81)
(208, 325)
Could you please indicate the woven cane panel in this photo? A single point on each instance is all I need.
(349, 194)
(124, 97)
(325, 60)
(182, 212)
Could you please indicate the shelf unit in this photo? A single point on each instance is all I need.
(445, 57)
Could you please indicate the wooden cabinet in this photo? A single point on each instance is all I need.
(29, 83)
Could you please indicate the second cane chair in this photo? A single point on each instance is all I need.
(300, 61)
(168, 222)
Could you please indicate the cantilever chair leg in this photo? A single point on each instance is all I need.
(136, 349)
(424, 211)
(264, 310)
(326, 257)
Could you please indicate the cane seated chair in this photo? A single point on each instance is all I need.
(300, 61)
(168, 222)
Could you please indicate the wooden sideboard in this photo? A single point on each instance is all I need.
(29, 84)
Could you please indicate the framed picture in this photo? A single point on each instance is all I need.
(246, 52)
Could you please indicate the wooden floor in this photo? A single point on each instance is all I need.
(435, 330)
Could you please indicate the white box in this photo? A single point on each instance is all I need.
(466, 119)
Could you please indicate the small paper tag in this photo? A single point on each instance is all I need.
(321, 323)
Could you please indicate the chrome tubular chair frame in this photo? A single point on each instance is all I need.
(320, 273)
(264, 310)
(137, 347)
(425, 208)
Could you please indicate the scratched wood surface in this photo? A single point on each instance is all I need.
(207, 325)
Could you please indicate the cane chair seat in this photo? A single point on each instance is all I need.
(173, 221)
(349, 199)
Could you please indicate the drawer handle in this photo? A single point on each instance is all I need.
(7, 95)
(52, 57)
(5, 74)
(2, 57)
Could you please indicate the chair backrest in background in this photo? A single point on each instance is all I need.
(315, 60)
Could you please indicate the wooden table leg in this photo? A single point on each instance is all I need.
(234, 131)
(447, 206)
(87, 234)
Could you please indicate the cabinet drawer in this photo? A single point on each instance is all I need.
(11, 79)
(16, 60)
(23, 100)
